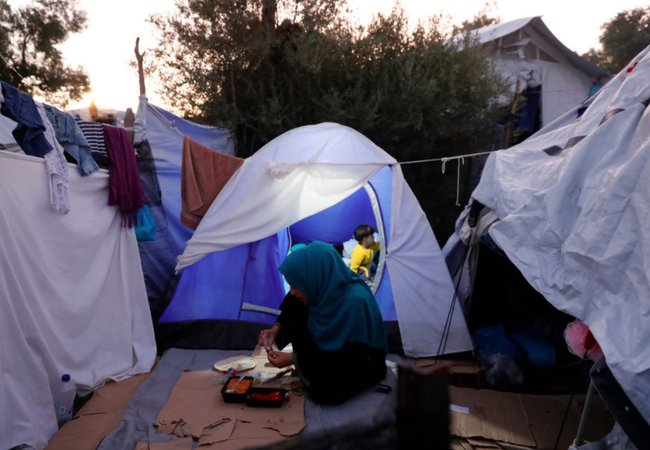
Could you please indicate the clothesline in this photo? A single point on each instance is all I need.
(11, 66)
(56, 134)
(548, 91)
(444, 159)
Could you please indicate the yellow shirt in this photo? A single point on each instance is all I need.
(361, 258)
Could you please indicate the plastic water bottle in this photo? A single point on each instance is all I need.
(64, 399)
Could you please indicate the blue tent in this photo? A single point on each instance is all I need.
(317, 183)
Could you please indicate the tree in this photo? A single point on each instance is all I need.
(622, 38)
(28, 39)
(263, 67)
(248, 64)
(481, 19)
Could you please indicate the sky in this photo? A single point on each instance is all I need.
(105, 48)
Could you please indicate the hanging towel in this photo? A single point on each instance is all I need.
(204, 172)
(124, 185)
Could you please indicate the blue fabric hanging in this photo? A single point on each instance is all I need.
(145, 225)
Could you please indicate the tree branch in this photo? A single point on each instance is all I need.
(139, 58)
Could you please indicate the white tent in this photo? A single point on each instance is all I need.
(528, 55)
(573, 203)
(310, 169)
(72, 296)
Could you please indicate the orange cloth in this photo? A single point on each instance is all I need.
(204, 172)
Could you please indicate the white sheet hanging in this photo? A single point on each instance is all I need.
(72, 297)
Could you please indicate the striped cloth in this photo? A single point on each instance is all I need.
(94, 133)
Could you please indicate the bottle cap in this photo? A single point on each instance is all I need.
(65, 377)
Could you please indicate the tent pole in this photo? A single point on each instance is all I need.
(585, 415)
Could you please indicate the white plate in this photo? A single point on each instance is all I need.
(239, 363)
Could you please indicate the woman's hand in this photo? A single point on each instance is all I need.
(280, 359)
(267, 337)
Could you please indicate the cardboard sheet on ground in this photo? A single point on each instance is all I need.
(196, 408)
(322, 422)
(483, 419)
(179, 444)
(493, 415)
(97, 418)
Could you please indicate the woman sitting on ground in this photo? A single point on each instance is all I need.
(333, 322)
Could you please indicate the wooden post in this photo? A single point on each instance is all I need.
(423, 407)
(139, 58)
(129, 117)
(129, 120)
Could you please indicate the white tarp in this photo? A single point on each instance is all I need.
(563, 77)
(72, 296)
(563, 87)
(296, 175)
(311, 168)
(574, 220)
(496, 31)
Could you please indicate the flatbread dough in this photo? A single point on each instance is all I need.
(238, 363)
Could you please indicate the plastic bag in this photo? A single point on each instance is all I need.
(581, 342)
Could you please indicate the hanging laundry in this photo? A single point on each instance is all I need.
(124, 185)
(529, 119)
(56, 166)
(7, 140)
(30, 130)
(148, 174)
(145, 225)
(72, 139)
(94, 134)
(204, 172)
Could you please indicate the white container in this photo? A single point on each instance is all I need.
(64, 395)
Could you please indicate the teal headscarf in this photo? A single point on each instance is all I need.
(341, 307)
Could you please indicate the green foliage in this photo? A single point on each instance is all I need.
(481, 19)
(28, 39)
(622, 39)
(262, 71)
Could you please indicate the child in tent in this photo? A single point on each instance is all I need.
(362, 258)
(333, 322)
